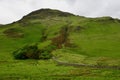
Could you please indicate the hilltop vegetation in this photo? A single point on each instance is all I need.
(69, 38)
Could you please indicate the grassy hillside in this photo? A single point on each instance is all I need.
(94, 41)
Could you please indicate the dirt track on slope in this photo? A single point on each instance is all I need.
(61, 63)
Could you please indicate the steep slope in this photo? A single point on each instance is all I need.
(94, 36)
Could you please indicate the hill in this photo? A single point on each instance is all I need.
(44, 13)
(93, 41)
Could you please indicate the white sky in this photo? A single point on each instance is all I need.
(12, 10)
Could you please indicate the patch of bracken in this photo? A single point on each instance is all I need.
(62, 39)
(14, 33)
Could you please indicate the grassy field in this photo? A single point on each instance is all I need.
(48, 70)
(96, 40)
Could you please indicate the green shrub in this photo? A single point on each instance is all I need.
(47, 52)
(33, 52)
(45, 55)
(49, 48)
(27, 52)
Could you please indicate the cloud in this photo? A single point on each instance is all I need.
(12, 10)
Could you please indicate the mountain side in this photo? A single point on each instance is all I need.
(89, 34)
(77, 40)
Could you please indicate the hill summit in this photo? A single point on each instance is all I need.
(45, 13)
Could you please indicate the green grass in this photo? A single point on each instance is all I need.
(99, 40)
(47, 70)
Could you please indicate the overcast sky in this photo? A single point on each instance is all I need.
(12, 10)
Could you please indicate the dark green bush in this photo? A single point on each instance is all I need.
(32, 52)
(27, 52)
